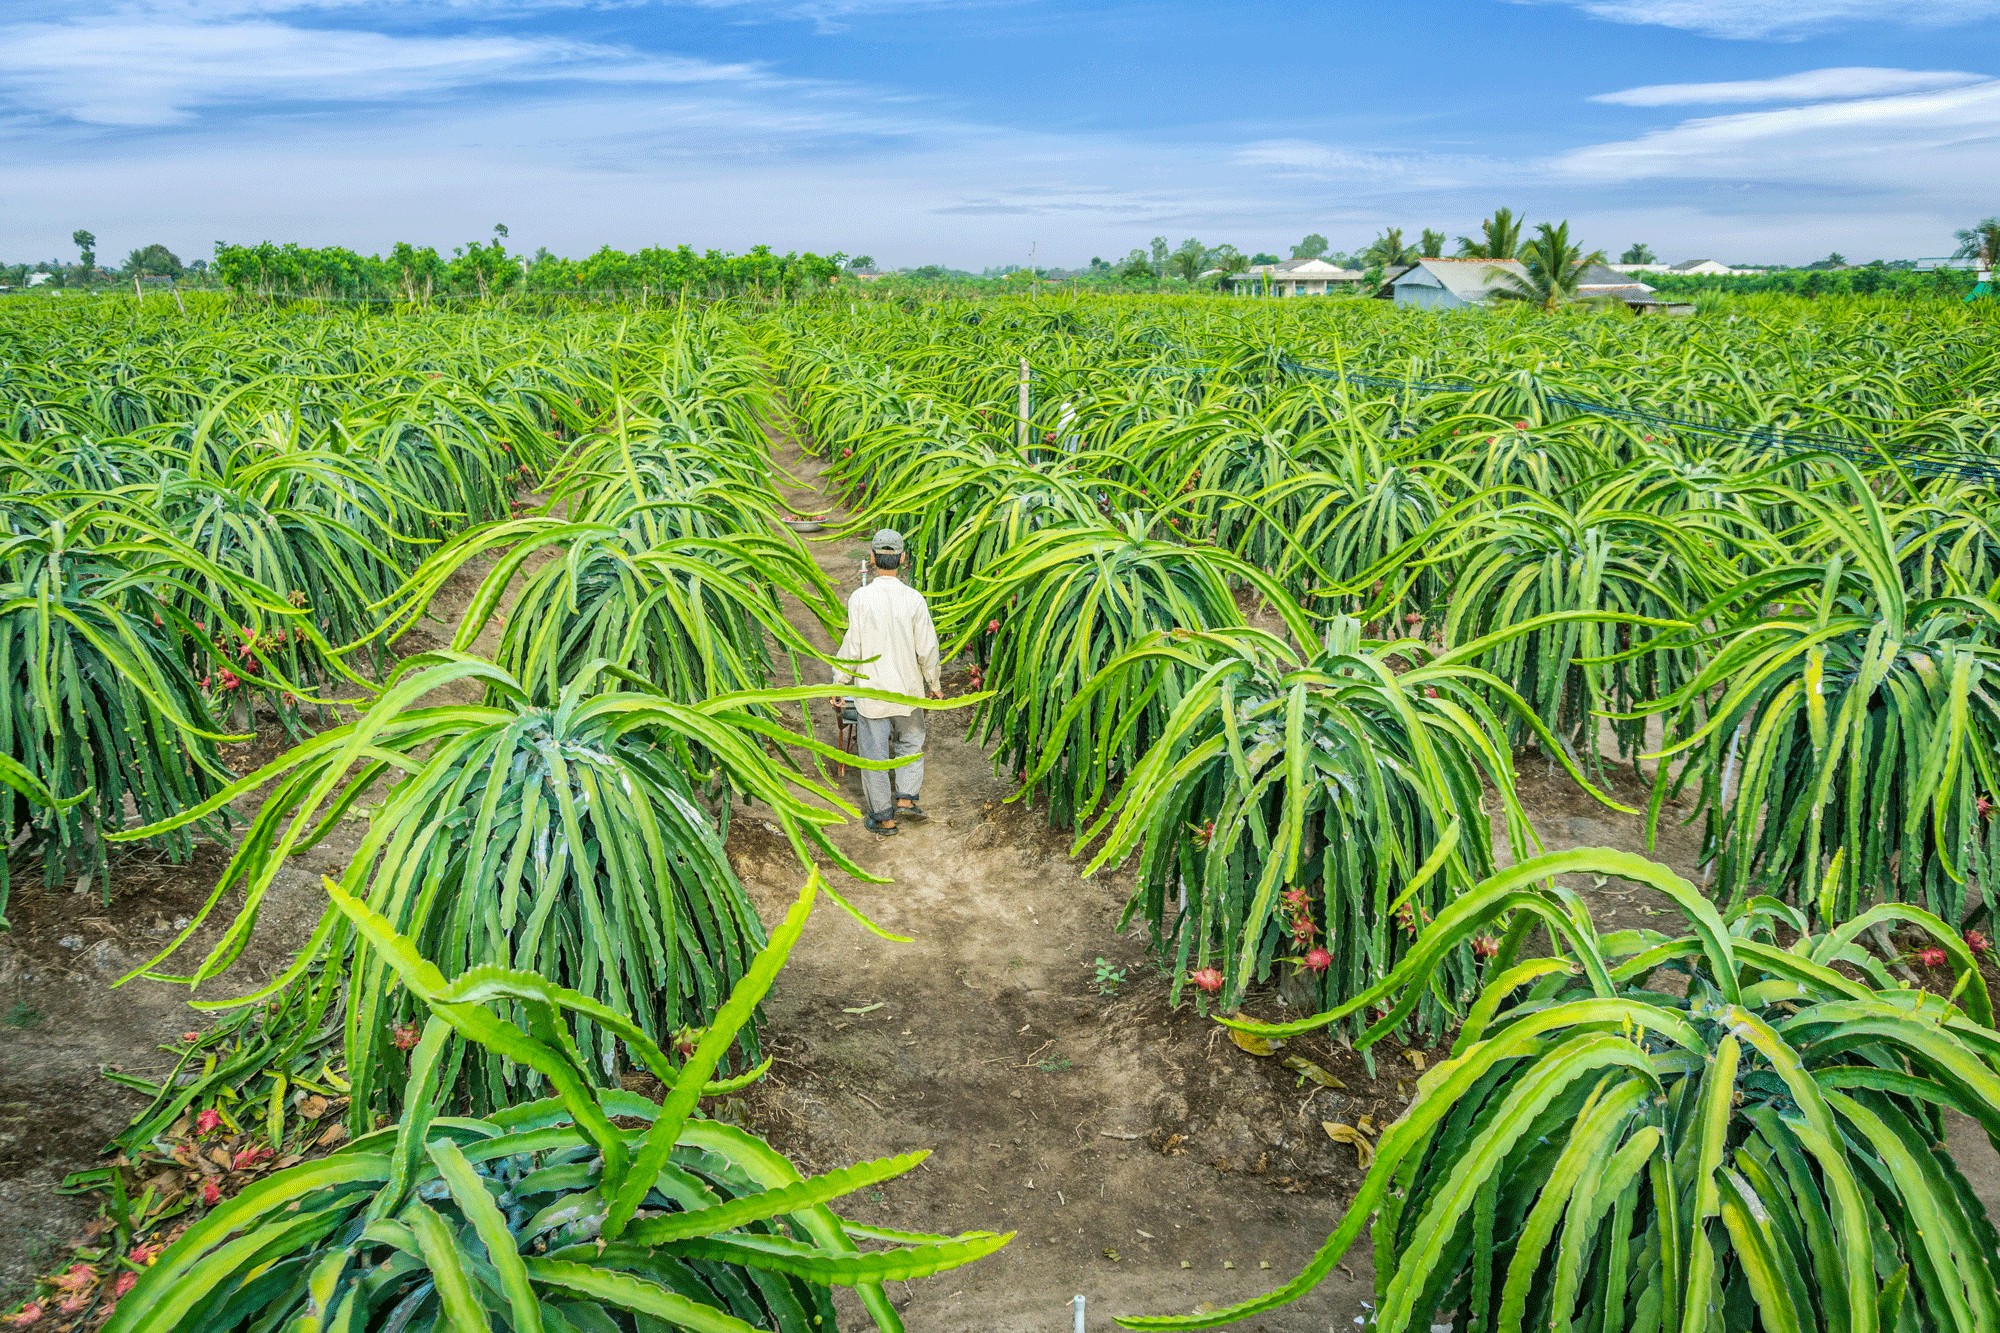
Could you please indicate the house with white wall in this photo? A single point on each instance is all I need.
(1294, 277)
(1451, 284)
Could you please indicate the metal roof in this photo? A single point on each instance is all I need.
(1467, 279)
(1602, 275)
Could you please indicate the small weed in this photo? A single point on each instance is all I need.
(876, 1196)
(1109, 980)
(1016, 962)
(38, 1253)
(21, 1016)
(1054, 1064)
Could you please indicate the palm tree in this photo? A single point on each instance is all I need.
(1388, 250)
(1432, 244)
(1554, 268)
(1189, 260)
(1500, 238)
(1639, 253)
(1228, 258)
(1980, 243)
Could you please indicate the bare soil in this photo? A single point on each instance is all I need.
(64, 1020)
(1141, 1159)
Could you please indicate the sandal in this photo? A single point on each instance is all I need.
(910, 811)
(884, 828)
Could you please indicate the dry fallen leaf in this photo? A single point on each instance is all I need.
(1307, 1069)
(1340, 1133)
(1254, 1044)
(1416, 1058)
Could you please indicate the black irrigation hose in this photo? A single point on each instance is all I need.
(1924, 462)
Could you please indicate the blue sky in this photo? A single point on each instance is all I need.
(965, 133)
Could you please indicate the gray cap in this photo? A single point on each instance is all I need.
(888, 539)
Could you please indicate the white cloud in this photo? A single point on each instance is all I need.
(212, 11)
(825, 15)
(732, 164)
(706, 165)
(1784, 19)
(229, 123)
(833, 15)
(1917, 143)
(1303, 155)
(124, 73)
(1811, 86)
(1306, 159)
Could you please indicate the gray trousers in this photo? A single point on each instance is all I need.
(891, 738)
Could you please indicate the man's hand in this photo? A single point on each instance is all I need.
(937, 694)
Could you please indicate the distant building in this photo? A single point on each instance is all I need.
(37, 279)
(1295, 277)
(1451, 284)
(1694, 267)
(1614, 282)
(1605, 280)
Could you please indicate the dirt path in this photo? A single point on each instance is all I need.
(1142, 1163)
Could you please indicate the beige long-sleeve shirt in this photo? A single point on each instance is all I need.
(889, 621)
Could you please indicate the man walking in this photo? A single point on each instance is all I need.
(890, 636)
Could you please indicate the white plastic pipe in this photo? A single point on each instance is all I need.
(1021, 431)
(1078, 1306)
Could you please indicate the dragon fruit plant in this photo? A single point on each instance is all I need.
(544, 1216)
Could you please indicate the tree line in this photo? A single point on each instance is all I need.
(1554, 267)
(479, 268)
(1555, 263)
(486, 268)
(1500, 238)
